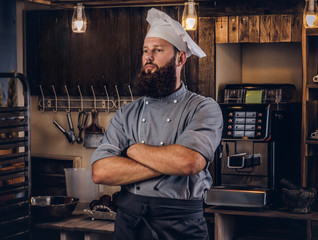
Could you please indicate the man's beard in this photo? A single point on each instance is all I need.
(160, 83)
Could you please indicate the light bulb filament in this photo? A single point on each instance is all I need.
(79, 24)
(310, 20)
(190, 23)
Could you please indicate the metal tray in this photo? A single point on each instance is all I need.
(109, 215)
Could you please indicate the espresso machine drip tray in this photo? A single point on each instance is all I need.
(240, 197)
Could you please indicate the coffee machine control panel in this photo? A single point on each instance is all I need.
(245, 121)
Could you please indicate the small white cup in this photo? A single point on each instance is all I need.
(314, 134)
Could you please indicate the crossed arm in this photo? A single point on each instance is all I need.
(145, 162)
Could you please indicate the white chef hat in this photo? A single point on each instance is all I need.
(163, 26)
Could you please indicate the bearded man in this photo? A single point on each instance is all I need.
(158, 148)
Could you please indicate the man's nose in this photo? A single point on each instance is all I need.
(149, 56)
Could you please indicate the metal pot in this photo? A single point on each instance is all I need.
(48, 208)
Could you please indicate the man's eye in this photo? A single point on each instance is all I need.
(159, 50)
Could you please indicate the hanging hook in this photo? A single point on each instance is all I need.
(107, 99)
(43, 100)
(117, 97)
(131, 95)
(82, 104)
(94, 97)
(68, 100)
(55, 97)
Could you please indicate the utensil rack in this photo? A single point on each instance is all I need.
(15, 165)
(79, 103)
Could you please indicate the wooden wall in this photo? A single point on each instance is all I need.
(109, 53)
(219, 8)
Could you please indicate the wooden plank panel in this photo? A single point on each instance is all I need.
(207, 64)
(275, 28)
(233, 29)
(124, 71)
(192, 65)
(243, 29)
(111, 48)
(48, 69)
(75, 59)
(60, 225)
(89, 51)
(249, 7)
(101, 56)
(64, 57)
(285, 32)
(32, 38)
(93, 54)
(296, 28)
(253, 29)
(106, 227)
(183, 71)
(221, 30)
(61, 51)
(136, 42)
(265, 24)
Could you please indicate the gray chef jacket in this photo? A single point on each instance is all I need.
(183, 118)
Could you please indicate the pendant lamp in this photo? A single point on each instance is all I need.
(189, 16)
(310, 14)
(79, 21)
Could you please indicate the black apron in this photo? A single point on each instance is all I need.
(151, 218)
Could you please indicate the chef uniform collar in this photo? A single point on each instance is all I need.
(164, 27)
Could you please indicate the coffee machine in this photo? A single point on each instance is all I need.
(260, 146)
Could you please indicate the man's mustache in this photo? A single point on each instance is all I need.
(155, 65)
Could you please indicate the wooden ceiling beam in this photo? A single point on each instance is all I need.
(114, 3)
(206, 8)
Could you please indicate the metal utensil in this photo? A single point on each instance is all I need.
(94, 133)
(70, 135)
(81, 124)
(67, 135)
(71, 129)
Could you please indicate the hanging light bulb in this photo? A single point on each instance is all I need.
(79, 22)
(311, 14)
(189, 16)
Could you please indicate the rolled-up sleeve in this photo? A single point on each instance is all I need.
(204, 129)
(114, 140)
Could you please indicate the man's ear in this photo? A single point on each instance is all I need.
(181, 58)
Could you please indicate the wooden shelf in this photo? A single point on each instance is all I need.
(311, 141)
(312, 86)
(244, 224)
(312, 31)
(280, 213)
